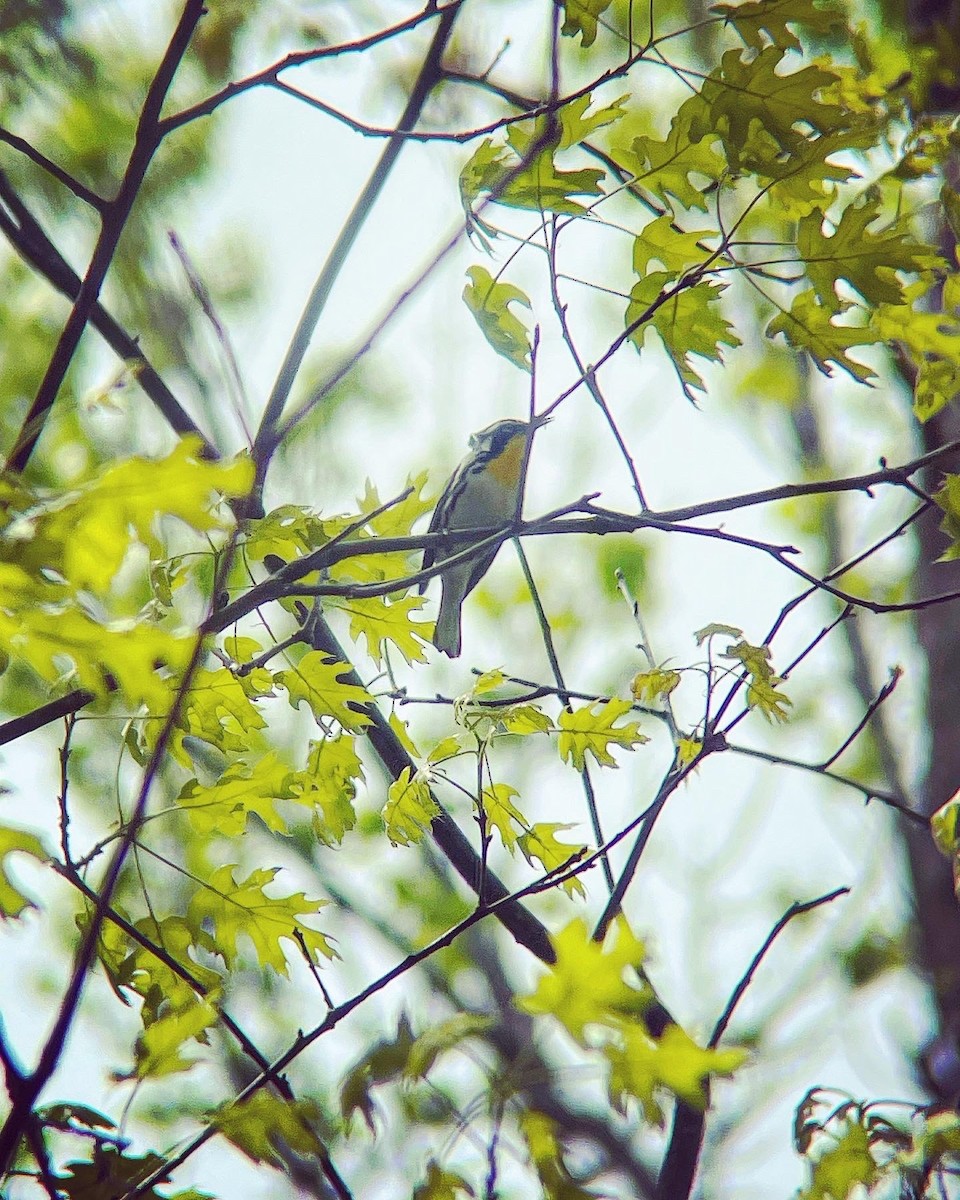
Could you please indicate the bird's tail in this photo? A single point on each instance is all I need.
(446, 635)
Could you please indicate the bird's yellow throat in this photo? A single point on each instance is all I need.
(505, 468)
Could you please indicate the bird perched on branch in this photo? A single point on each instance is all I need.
(483, 493)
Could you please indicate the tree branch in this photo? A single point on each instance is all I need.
(114, 217)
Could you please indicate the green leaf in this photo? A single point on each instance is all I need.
(577, 123)
(242, 789)
(93, 523)
(843, 1166)
(809, 326)
(233, 908)
(266, 1127)
(674, 249)
(316, 680)
(544, 1143)
(382, 620)
(682, 165)
(642, 1065)
(717, 630)
(501, 814)
(951, 208)
(410, 809)
(386, 1060)
(523, 719)
(489, 301)
(762, 21)
(580, 16)
(14, 841)
(748, 102)
(441, 1037)
(593, 729)
(944, 826)
(591, 983)
(287, 532)
(441, 1184)
(762, 688)
(449, 748)
(218, 710)
(928, 330)
(111, 1173)
(132, 967)
(328, 787)
(688, 321)
(58, 639)
(866, 259)
(540, 844)
(159, 1047)
(650, 686)
(948, 499)
(398, 519)
(540, 186)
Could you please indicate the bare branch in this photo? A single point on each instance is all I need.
(114, 218)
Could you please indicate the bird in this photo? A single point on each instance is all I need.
(482, 493)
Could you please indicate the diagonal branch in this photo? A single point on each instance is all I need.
(430, 73)
(114, 218)
(28, 238)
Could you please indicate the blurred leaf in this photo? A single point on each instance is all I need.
(489, 301)
(13, 841)
(588, 984)
(843, 1166)
(580, 16)
(642, 1065)
(266, 1127)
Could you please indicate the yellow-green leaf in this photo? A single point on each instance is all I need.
(847, 1163)
(441, 1184)
(266, 1127)
(381, 620)
(688, 321)
(657, 684)
(540, 844)
(716, 630)
(591, 983)
(944, 826)
(688, 750)
(13, 841)
(642, 1065)
(593, 729)
(501, 814)
(159, 1049)
(316, 680)
(489, 300)
(674, 249)
(233, 908)
(581, 16)
(328, 787)
(439, 1038)
(410, 809)
(762, 686)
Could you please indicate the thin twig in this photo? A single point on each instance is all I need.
(794, 910)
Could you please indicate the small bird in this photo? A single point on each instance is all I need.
(482, 493)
